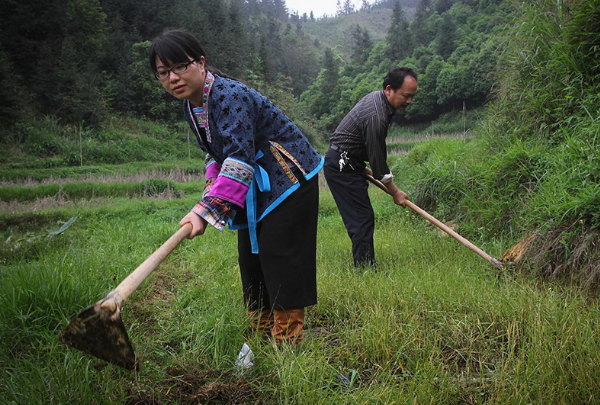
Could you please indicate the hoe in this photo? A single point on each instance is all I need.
(440, 225)
(99, 330)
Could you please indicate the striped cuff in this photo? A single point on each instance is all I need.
(215, 211)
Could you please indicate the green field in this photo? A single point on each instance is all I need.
(436, 324)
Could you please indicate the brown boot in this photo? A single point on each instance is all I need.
(261, 321)
(288, 325)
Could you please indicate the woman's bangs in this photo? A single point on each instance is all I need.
(171, 53)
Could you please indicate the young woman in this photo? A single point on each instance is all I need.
(261, 176)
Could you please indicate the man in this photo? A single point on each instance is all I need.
(358, 139)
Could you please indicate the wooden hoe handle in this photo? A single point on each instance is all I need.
(440, 225)
(115, 299)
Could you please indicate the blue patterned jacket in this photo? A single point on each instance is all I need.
(254, 145)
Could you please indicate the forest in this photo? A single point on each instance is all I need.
(80, 61)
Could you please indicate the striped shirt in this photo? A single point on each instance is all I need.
(363, 130)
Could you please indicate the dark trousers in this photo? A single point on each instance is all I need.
(283, 275)
(349, 188)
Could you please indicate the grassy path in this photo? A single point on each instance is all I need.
(436, 324)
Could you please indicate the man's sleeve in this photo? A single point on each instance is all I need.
(375, 134)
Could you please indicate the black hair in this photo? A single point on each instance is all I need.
(175, 46)
(396, 75)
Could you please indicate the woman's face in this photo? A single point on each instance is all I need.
(188, 83)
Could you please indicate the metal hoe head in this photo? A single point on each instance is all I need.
(100, 332)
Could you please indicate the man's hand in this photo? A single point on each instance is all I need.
(198, 224)
(398, 195)
(400, 198)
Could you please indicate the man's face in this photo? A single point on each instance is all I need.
(401, 98)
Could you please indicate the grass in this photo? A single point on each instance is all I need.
(176, 170)
(435, 324)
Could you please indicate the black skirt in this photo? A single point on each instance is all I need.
(283, 275)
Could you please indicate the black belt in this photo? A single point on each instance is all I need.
(340, 150)
(299, 175)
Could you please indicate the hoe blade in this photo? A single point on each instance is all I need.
(102, 334)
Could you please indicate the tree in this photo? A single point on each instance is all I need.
(300, 58)
(446, 37)
(452, 85)
(441, 6)
(425, 104)
(14, 95)
(399, 37)
(348, 7)
(266, 67)
(55, 46)
(362, 45)
(281, 11)
(234, 51)
(322, 95)
(424, 56)
(419, 24)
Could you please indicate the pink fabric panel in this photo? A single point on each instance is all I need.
(229, 190)
(212, 170)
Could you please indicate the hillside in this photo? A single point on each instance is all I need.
(336, 32)
(255, 41)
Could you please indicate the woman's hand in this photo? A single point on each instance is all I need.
(198, 224)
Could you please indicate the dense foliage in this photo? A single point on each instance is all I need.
(453, 46)
(82, 60)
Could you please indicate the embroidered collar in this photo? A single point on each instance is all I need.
(201, 113)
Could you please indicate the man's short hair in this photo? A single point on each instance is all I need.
(396, 75)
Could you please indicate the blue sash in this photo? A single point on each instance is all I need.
(260, 182)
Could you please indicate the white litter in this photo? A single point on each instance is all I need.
(245, 359)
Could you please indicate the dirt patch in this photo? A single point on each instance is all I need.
(195, 386)
(191, 385)
(164, 285)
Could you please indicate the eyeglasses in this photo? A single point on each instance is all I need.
(177, 69)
